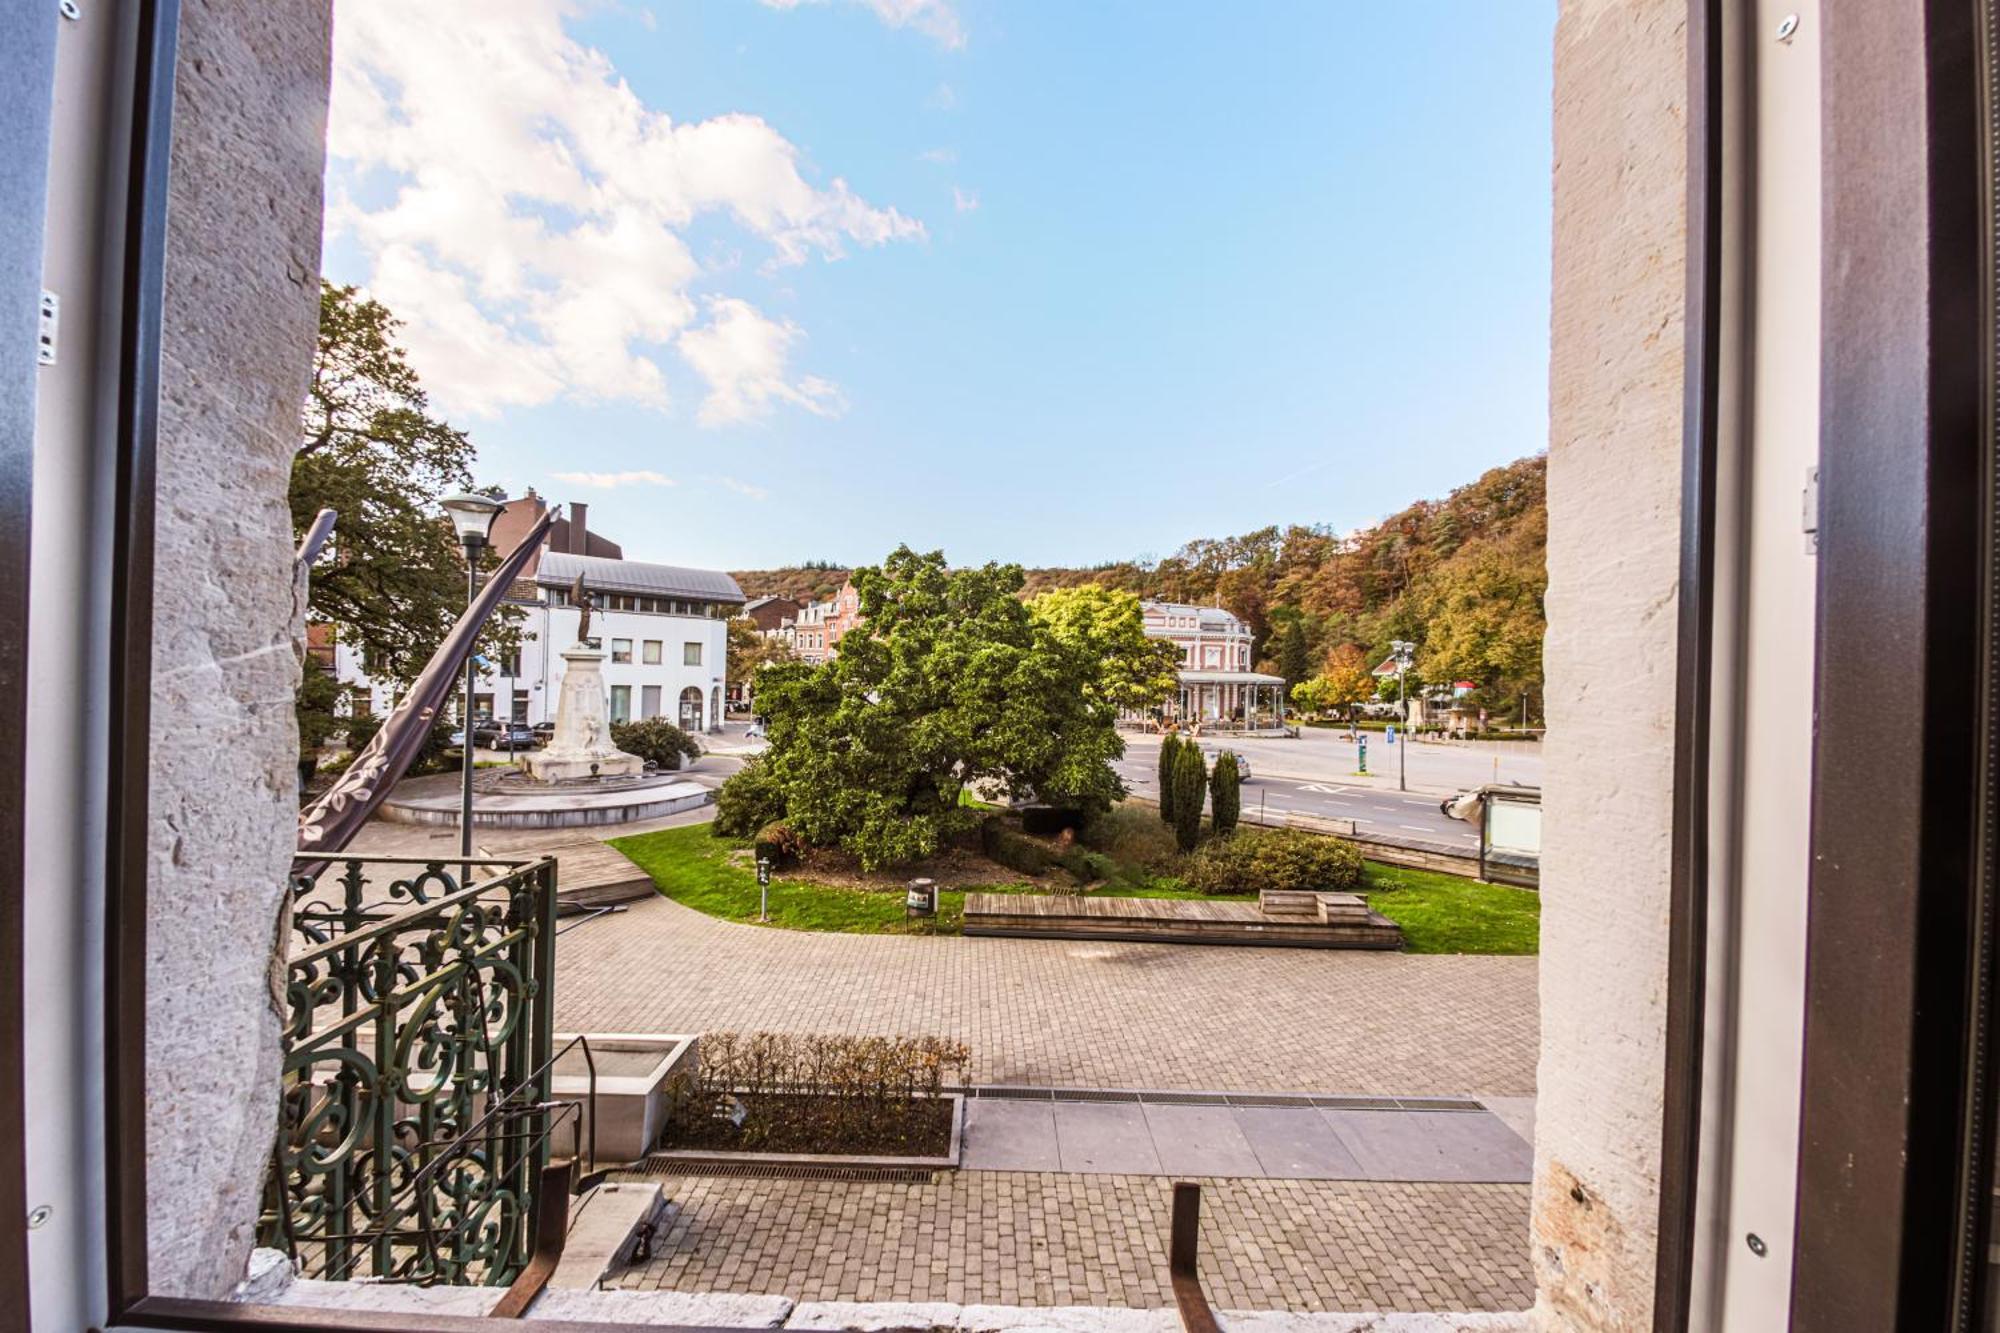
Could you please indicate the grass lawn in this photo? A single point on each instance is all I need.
(1438, 913)
(1447, 914)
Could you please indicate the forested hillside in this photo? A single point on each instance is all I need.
(813, 581)
(1461, 577)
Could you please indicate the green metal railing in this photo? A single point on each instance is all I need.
(415, 1116)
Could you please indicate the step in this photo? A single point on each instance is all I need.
(603, 1228)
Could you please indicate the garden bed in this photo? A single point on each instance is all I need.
(926, 1132)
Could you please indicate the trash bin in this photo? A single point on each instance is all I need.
(921, 899)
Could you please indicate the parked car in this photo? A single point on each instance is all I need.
(509, 736)
(544, 732)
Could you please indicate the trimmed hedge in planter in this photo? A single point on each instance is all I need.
(1252, 860)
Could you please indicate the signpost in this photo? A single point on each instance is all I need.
(763, 888)
(1404, 657)
(1362, 742)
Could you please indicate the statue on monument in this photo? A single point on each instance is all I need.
(580, 597)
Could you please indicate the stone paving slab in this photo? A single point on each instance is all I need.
(1299, 1143)
(1047, 1239)
(1104, 1139)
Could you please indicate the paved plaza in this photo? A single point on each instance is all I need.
(1044, 1238)
(1075, 1013)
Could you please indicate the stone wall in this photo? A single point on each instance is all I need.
(1614, 549)
(242, 306)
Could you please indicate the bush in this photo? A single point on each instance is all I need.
(751, 799)
(779, 843)
(1010, 847)
(820, 1092)
(1253, 860)
(1087, 866)
(1045, 821)
(656, 740)
(1225, 793)
(1131, 836)
(1190, 783)
(1170, 748)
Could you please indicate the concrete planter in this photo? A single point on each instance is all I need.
(637, 1075)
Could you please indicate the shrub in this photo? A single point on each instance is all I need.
(1225, 793)
(1087, 866)
(1253, 860)
(1132, 836)
(747, 802)
(1170, 748)
(779, 843)
(655, 739)
(1048, 820)
(822, 1090)
(1190, 782)
(1002, 842)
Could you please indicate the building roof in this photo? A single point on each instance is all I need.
(1229, 678)
(1207, 615)
(756, 602)
(559, 570)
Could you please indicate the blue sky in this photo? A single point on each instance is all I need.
(1028, 281)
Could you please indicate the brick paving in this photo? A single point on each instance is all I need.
(1087, 1014)
(1023, 1238)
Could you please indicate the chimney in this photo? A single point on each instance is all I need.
(579, 531)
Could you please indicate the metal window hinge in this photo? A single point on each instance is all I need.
(1809, 504)
(45, 333)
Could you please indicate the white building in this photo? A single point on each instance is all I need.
(1216, 682)
(664, 629)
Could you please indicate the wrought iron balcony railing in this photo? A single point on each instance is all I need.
(416, 1118)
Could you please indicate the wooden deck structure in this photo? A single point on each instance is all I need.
(1300, 920)
(593, 874)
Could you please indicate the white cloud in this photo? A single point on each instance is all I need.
(742, 488)
(742, 355)
(605, 481)
(936, 19)
(941, 157)
(965, 201)
(524, 212)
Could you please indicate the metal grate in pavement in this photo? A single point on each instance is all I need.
(1358, 1103)
(1184, 1098)
(1165, 1097)
(1439, 1104)
(1267, 1099)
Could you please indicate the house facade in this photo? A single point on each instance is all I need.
(814, 633)
(664, 630)
(1216, 682)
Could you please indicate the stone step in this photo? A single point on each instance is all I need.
(603, 1228)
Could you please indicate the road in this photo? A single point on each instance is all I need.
(1312, 775)
(1385, 813)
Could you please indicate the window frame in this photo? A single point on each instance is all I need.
(691, 652)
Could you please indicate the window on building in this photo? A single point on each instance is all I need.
(649, 701)
(621, 703)
(510, 663)
(621, 650)
(649, 652)
(691, 654)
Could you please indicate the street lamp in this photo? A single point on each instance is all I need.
(472, 516)
(1403, 652)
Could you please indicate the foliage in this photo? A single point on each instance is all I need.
(1190, 784)
(822, 1092)
(750, 799)
(1005, 843)
(1462, 577)
(749, 649)
(655, 739)
(319, 692)
(1225, 793)
(1107, 624)
(1252, 860)
(1343, 681)
(1170, 747)
(948, 682)
(1450, 914)
(392, 582)
(779, 843)
(812, 581)
(1294, 661)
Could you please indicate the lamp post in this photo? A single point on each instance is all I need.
(1404, 653)
(472, 516)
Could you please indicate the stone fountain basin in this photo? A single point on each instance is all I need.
(637, 1075)
(523, 804)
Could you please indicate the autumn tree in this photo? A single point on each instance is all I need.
(1093, 620)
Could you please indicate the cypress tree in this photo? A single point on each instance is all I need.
(1190, 784)
(1225, 793)
(1170, 746)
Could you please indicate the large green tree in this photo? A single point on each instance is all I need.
(948, 682)
(392, 580)
(1106, 623)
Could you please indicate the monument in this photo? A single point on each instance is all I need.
(581, 747)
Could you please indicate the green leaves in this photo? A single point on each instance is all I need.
(950, 682)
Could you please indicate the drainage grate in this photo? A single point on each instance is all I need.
(1267, 1099)
(1358, 1103)
(1020, 1094)
(1439, 1104)
(1185, 1098)
(895, 1175)
(1097, 1095)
